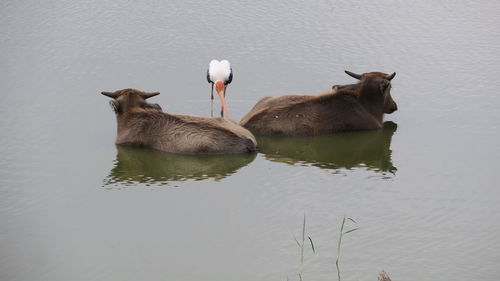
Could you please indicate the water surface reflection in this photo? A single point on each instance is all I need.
(142, 165)
(370, 149)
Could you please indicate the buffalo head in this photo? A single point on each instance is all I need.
(385, 87)
(128, 99)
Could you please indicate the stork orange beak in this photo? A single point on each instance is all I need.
(221, 88)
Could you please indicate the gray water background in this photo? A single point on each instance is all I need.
(424, 191)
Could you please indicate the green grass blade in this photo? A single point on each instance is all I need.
(342, 226)
(351, 230)
(312, 244)
(298, 244)
(352, 220)
(304, 229)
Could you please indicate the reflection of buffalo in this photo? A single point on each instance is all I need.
(370, 149)
(141, 165)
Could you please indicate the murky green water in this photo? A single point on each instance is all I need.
(424, 190)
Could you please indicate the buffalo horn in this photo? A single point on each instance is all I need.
(110, 94)
(391, 76)
(354, 75)
(149, 95)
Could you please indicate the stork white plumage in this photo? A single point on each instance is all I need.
(220, 74)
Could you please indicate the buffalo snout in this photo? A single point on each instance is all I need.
(393, 108)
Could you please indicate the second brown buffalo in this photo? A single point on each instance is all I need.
(353, 107)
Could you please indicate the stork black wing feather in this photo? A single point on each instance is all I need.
(208, 76)
(230, 77)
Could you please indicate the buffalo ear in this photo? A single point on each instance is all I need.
(384, 84)
(149, 95)
(115, 105)
(157, 107)
(112, 95)
(391, 76)
(152, 106)
(353, 75)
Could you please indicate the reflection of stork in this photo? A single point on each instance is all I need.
(220, 74)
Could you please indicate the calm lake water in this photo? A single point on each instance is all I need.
(424, 190)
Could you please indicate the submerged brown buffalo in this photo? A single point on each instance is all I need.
(140, 123)
(354, 107)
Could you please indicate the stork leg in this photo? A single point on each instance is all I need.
(212, 98)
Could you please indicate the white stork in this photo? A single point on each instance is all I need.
(220, 74)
